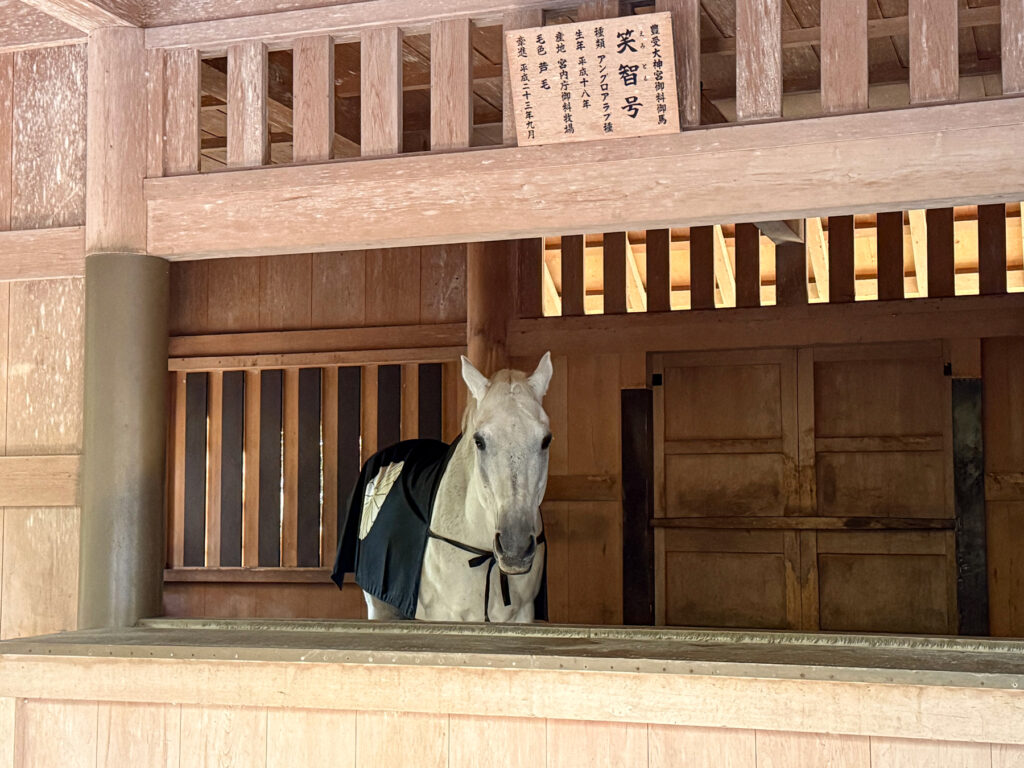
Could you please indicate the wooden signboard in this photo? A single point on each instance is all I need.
(593, 80)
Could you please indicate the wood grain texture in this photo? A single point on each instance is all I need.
(748, 265)
(486, 742)
(156, 97)
(57, 733)
(454, 195)
(251, 479)
(214, 454)
(992, 248)
(393, 286)
(1012, 29)
(841, 277)
(31, 254)
(38, 481)
(285, 291)
(233, 295)
(176, 470)
(686, 42)
(290, 482)
(8, 720)
(844, 56)
(579, 742)
(5, 312)
(390, 738)
(934, 66)
(381, 91)
(701, 747)
(941, 266)
(45, 378)
(702, 268)
(224, 737)
(181, 111)
(1007, 756)
(117, 152)
(300, 738)
(338, 290)
(523, 18)
(790, 274)
(759, 59)
(451, 84)
(897, 753)
(49, 150)
(808, 750)
(90, 15)
(248, 133)
(40, 567)
(313, 78)
(6, 137)
(659, 271)
(614, 272)
(890, 255)
(490, 305)
(329, 425)
(143, 735)
(443, 283)
(573, 287)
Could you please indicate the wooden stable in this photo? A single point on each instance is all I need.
(788, 401)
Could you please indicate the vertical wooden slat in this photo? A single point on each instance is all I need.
(181, 111)
(381, 91)
(940, 252)
(637, 408)
(758, 59)
(6, 137)
(1012, 27)
(451, 84)
(686, 40)
(313, 85)
(992, 247)
(270, 469)
(156, 101)
(248, 139)
(790, 274)
(307, 537)
(748, 265)
(572, 275)
(490, 269)
(594, 10)
(368, 421)
(451, 416)
(840, 254)
(934, 74)
(389, 405)
(251, 468)
(232, 449)
(329, 422)
(969, 488)
(702, 267)
(349, 411)
(195, 469)
(429, 400)
(614, 273)
(844, 56)
(176, 503)
(890, 255)
(524, 18)
(290, 516)
(410, 401)
(530, 266)
(214, 455)
(659, 273)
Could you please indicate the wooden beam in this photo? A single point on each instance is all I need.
(551, 302)
(919, 246)
(381, 102)
(758, 59)
(367, 358)
(34, 254)
(490, 304)
(86, 15)
(686, 43)
(39, 481)
(791, 170)
(724, 272)
(817, 252)
(844, 56)
(248, 139)
(181, 109)
(313, 84)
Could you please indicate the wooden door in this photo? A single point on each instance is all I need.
(806, 489)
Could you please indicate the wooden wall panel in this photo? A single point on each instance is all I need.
(778, 749)
(40, 568)
(232, 294)
(285, 296)
(56, 733)
(393, 286)
(443, 283)
(581, 742)
(6, 137)
(897, 753)
(224, 737)
(299, 738)
(488, 742)
(393, 738)
(139, 735)
(45, 367)
(49, 138)
(759, 59)
(700, 747)
(187, 304)
(339, 289)
(5, 303)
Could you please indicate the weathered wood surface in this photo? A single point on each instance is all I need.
(31, 254)
(248, 140)
(1012, 28)
(314, 98)
(451, 198)
(90, 15)
(844, 56)
(181, 112)
(451, 84)
(39, 481)
(759, 59)
(934, 73)
(23, 27)
(686, 39)
(381, 91)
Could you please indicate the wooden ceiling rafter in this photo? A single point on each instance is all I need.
(88, 15)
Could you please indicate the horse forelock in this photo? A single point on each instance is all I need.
(508, 389)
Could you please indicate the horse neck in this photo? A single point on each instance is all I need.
(457, 513)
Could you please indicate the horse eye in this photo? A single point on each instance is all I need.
(545, 442)
(479, 441)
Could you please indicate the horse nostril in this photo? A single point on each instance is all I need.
(531, 547)
(497, 544)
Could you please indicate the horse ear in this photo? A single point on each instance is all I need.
(541, 377)
(476, 381)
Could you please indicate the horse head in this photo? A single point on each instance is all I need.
(510, 433)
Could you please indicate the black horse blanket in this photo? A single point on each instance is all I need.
(387, 525)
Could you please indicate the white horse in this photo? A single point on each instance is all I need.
(485, 551)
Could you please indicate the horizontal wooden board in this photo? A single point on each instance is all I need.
(726, 484)
(315, 359)
(451, 197)
(879, 484)
(725, 589)
(31, 254)
(39, 481)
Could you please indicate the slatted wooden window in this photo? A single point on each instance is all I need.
(262, 462)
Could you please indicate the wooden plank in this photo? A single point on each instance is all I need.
(90, 15)
(659, 272)
(313, 78)
(844, 56)
(442, 284)
(213, 455)
(531, 270)
(572, 275)
(56, 733)
(686, 41)
(992, 248)
(49, 148)
(451, 84)
(790, 274)
(758, 60)
(841, 259)
(793, 522)
(231, 464)
(582, 488)
(42, 253)
(156, 97)
(521, 18)
(809, 600)
(941, 265)
(896, 753)
(399, 269)
(381, 91)
(934, 66)
(208, 734)
(349, 426)
(368, 425)
(636, 292)
(488, 742)
(410, 401)
(6, 137)
(195, 468)
(388, 738)
(614, 271)
(890, 255)
(251, 463)
(304, 737)
(490, 305)
(248, 138)
(389, 405)
(181, 111)
(637, 406)
(805, 750)
(176, 479)
(332, 500)
(817, 255)
(314, 360)
(672, 745)
(338, 291)
(307, 540)
(260, 212)
(290, 481)
(285, 293)
(430, 400)
(969, 485)
(919, 245)
(270, 472)
(1012, 29)
(40, 567)
(39, 481)
(748, 266)
(8, 724)
(138, 734)
(702, 268)
(574, 742)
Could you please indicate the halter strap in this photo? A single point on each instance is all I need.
(484, 556)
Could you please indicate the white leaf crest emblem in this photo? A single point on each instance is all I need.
(376, 491)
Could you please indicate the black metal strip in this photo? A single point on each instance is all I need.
(349, 410)
(308, 534)
(195, 469)
(270, 469)
(969, 488)
(232, 434)
(637, 506)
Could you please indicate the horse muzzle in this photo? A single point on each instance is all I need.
(514, 556)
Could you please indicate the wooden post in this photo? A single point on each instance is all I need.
(934, 73)
(381, 84)
(122, 523)
(844, 56)
(841, 277)
(748, 266)
(248, 138)
(702, 268)
(451, 84)
(941, 277)
(489, 303)
(686, 40)
(790, 274)
(573, 249)
(614, 253)
(659, 275)
(890, 255)
(1012, 27)
(992, 248)
(758, 59)
(181, 112)
(313, 98)
(637, 506)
